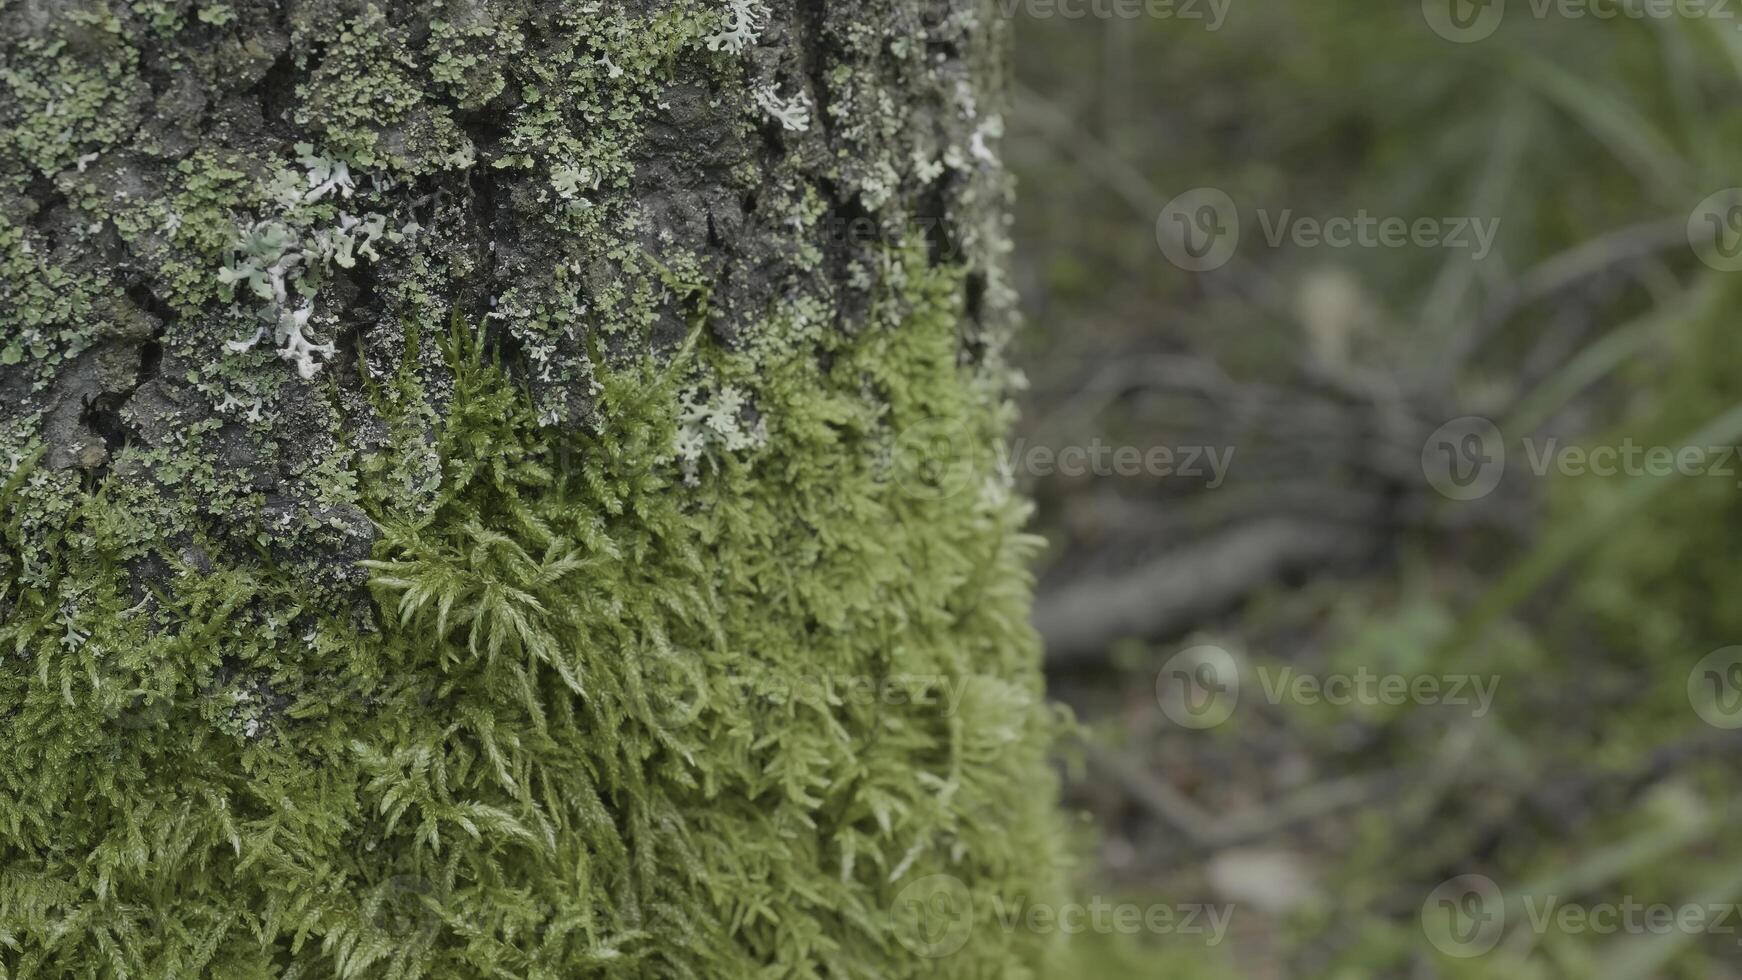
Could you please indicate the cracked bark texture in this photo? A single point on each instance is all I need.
(572, 175)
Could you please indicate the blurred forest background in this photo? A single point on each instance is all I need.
(1592, 600)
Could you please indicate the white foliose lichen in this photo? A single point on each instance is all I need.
(991, 128)
(251, 409)
(571, 183)
(743, 25)
(325, 175)
(794, 115)
(282, 261)
(713, 423)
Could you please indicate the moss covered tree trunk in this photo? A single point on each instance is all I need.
(504, 488)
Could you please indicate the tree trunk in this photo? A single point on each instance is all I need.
(504, 489)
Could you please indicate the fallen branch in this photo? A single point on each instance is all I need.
(1188, 584)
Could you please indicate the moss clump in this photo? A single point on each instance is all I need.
(608, 723)
(640, 646)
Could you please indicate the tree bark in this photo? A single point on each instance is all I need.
(504, 488)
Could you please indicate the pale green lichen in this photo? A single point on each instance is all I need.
(368, 101)
(467, 60)
(50, 308)
(68, 91)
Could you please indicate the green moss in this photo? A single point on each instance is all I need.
(610, 724)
